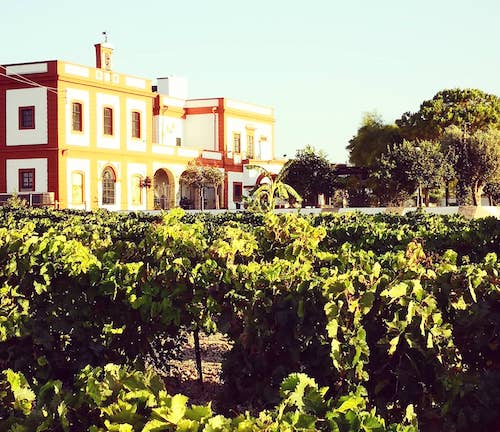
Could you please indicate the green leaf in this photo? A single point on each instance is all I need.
(156, 425)
(24, 397)
(198, 412)
(118, 427)
(396, 291)
(349, 404)
(393, 344)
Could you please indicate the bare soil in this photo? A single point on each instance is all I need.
(183, 376)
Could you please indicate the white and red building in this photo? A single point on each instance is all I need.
(89, 137)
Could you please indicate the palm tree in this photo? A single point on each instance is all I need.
(267, 195)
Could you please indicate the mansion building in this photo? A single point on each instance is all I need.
(83, 137)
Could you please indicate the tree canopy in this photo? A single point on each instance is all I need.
(410, 165)
(373, 139)
(476, 158)
(468, 109)
(201, 176)
(310, 174)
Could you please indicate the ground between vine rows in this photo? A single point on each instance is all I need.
(183, 377)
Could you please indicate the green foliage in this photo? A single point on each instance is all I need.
(477, 159)
(467, 109)
(117, 398)
(372, 140)
(408, 165)
(202, 176)
(391, 318)
(394, 174)
(310, 174)
(268, 195)
(492, 190)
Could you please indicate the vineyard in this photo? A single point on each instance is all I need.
(338, 322)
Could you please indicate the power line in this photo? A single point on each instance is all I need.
(25, 80)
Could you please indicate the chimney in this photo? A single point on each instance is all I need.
(103, 55)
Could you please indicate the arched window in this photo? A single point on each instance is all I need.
(108, 186)
(77, 187)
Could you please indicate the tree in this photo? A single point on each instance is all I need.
(200, 177)
(411, 165)
(492, 190)
(310, 174)
(395, 182)
(468, 109)
(477, 160)
(266, 196)
(373, 139)
(431, 167)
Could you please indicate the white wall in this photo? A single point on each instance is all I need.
(262, 149)
(233, 177)
(167, 129)
(82, 165)
(41, 173)
(173, 86)
(72, 137)
(199, 131)
(136, 169)
(36, 97)
(106, 141)
(134, 143)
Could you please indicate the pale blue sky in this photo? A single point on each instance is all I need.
(320, 63)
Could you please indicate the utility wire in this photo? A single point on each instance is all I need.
(25, 80)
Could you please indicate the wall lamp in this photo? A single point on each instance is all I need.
(145, 183)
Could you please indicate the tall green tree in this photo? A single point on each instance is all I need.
(395, 182)
(468, 109)
(310, 174)
(410, 166)
(477, 161)
(372, 139)
(432, 168)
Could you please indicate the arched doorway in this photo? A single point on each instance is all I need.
(163, 190)
(197, 188)
(188, 193)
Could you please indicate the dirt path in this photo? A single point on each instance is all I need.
(184, 376)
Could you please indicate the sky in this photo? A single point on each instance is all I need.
(321, 64)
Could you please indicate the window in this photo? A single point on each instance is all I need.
(178, 142)
(236, 142)
(136, 124)
(108, 186)
(136, 190)
(108, 121)
(250, 146)
(27, 180)
(76, 117)
(27, 117)
(237, 191)
(77, 187)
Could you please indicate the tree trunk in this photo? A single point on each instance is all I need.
(217, 203)
(202, 198)
(447, 194)
(477, 192)
(426, 199)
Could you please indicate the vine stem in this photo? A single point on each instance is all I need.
(197, 353)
